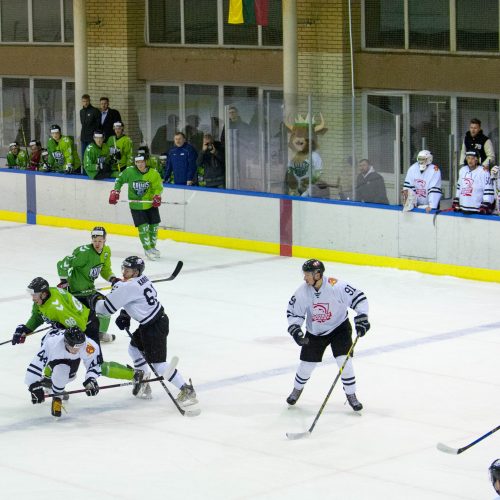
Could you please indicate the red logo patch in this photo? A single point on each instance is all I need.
(89, 349)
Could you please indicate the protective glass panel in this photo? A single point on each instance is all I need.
(164, 117)
(70, 109)
(16, 113)
(47, 21)
(48, 107)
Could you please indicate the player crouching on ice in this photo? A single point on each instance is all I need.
(63, 353)
(323, 303)
(138, 299)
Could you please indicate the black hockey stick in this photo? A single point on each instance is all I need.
(187, 413)
(300, 435)
(150, 201)
(457, 451)
(31, 333)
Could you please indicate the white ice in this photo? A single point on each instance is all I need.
(427, 372)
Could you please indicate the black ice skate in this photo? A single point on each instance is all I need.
(294, 396)
(353, 402)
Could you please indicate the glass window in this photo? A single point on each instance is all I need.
(478, 30)
(429, 24)
(202, 113)
(16, 112)
(70, 109)
(14, 20)
(47, 21)
(68, 20)
(238, 34)
(384, 23)
(164, 117)
(164, 21)
(48, 107)
(272, 34)
(200, 21)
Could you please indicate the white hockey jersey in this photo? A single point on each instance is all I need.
(473, 188)
(137, 296)
(64, 364)
(325, 309)
(426, 185)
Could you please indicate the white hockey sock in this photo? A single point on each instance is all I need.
(348, 378)
(177, 379)
(304, 371)
(138, 360)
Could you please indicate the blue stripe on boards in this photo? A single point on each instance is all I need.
(30, 199)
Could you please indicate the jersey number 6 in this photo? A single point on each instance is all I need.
(150, 296)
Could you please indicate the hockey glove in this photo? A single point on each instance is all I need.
(485, 209)
(114, 280)
(494, 172)
(37, 394)
(114, 196)
(101, 163)
(93, 299)
(156, 200)
(455, 205)
(63, 284)
(361, 323)
(91, 387)
(20, 334)
(68, 169)
(298, 335)
(123, 320)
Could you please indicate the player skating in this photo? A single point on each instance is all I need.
(79, 270)
(323, 303)
(144, 192)
(137, 298)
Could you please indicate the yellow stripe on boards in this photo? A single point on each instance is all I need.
(13, 216)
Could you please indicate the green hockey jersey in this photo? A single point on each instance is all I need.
(20, 160)
(63, 154)
(96, 161)
(140, 186)
(122, 153)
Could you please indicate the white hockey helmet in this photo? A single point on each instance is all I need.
(424, 158)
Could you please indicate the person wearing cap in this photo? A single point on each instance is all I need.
(78, 272)
(475, 193)
(144, 193)
(17, 157)
(109, 117)
(120, 149)
(63, 156)
(97, 160)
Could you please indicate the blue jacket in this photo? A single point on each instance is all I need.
(182, 162)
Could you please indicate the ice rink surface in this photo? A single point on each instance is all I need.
(427, 372)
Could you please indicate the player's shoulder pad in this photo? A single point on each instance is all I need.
(332, 281)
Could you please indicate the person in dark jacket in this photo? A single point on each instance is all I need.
(181, 162)
(90, 119)
(475, 140)
(370, 185)
(210, 163)
(109, 117)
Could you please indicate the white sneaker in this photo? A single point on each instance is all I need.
(106, 337)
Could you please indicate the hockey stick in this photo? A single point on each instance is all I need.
(457, 451)
(300, 435)
(187, 413)
(31, 333)
(150, 201)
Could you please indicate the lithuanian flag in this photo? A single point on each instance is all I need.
(248, 12)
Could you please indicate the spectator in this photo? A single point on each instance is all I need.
(422, 186)
(210, 164)
(164, 136)
(193, 134)
(475, 140)
(90, 119)
(109, 117)
(17, 157)
(38, 157)
(181, 162)
(237, 124)
(475, 193)
(120, 149)
(63, 157)
(97, 161)
(370, 185)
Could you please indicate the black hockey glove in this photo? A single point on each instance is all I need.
(63, 283)
(361, 323)
(93, 299)
(20, 334)
(123, 320)
(91, 387)
(37, 394)
(114, 280)
(298, 335)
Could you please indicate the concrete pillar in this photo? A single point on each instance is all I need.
(290, 74)
(80, 48)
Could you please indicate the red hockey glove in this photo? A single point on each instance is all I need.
(485, 209)
(156, 200)
(114, 196)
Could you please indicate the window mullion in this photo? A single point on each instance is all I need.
(453, 26)
(407, 25)
(183, 31)
(30, 21)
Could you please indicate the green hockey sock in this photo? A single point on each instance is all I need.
(47, 371)
(144, 236)
(112, 369)
(153, 234)
(104, 323)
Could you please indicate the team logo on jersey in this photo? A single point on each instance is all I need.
(420, 188)
(95, 271)
(140, 187)
(321, 312)
(89, 350)
(332, 281)
(467, 187)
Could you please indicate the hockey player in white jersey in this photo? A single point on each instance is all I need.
(422, 186)
(62, 353)
(475, 192)
(323, 303)
(137, 298)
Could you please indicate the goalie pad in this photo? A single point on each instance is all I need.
(411, 200)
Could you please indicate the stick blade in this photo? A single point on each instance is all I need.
(297, 435)
(176, 271)
(447, 449)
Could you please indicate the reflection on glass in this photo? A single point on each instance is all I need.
(14, 15)
(47, 21)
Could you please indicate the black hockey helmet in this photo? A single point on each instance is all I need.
(98, 231)
(313, 265)
(143, 151)
(495, 473)
(38, 285)
(74, 337)
(55, 128)
(134, 262)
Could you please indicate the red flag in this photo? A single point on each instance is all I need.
(261, 12)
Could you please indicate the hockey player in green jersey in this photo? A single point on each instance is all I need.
(17, 157)
(152, 161)
(63, 156)
(79, 270)
(121, 150)
(96, 160)
(144, 193)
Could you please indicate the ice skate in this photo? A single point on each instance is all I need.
(156, 252)
(141, 388)
(56, 408)
(187, 395)
(106, 337)
(294, 396)
(150, 254)
(353, 402)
